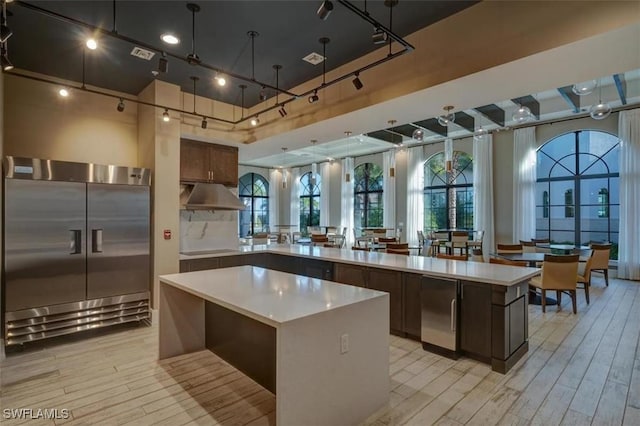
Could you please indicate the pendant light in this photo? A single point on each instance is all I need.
(601, 110)
(584, 88)
(481, 132)
(447, 118)
(347, 176)
(314, 165)
(192, 58)
(448, 155)
(522, 114)
(418, 135)
(285, 174)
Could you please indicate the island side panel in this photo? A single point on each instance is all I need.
(316, 383)
(181, 322)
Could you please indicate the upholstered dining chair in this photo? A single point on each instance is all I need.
(404, 252)
(528, 246)
(476, 255)
(451, 256)
(459, 240)
(360, 248)
(439, 240)
(558, 273)
(501, 261)
(600, 262)
(584, 275)
(398, 246)
(260, 238)
(319, 240)
(508, 248)
(386, 240)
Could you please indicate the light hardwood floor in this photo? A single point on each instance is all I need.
(580, 369)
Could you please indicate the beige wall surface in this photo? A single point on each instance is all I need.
(82, 127)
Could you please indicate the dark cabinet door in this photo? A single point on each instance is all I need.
(223, 163)
(203, 264)
(412, 314)
(350, 274)
(316, 269)
(194, 161)
(475, 319)
(390, 282)
(517, 324)
(231, 261)
(282, 263)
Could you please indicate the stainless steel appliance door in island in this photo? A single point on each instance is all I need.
(45, 230)
(439, 298)
(117, 240)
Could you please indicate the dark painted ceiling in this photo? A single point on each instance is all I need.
(289, 30)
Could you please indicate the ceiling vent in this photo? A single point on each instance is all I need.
(141, 53)
(314, 58)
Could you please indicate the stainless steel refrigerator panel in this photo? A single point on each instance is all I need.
(45, 234)
(117, 240)
(439, 312)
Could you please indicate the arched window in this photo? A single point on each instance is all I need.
(367, 182)
(579, 171)
(254, 193)
(309, 200)
(448, 195)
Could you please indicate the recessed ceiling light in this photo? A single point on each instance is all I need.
(63, 92)
(170, 39)
(92, 44)
(220, 80)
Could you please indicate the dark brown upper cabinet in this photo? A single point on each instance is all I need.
(206, 162)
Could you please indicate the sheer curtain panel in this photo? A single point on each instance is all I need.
(274, 198)
(629, 239)
(415, 194)
(389, 189)
(294, 187)
(325, 202)
(483, 191)
(346, 202)
(524, 184)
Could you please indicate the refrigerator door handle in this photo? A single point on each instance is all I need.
(453, 314)
(75, 241)
(96, 240)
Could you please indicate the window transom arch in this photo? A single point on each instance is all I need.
(253, 190)
(368, 203)
(448, 194)
(577, 196)
(310, 200)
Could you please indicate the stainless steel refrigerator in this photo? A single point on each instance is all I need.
(76, 247)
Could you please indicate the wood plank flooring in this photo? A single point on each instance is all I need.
(580, 369)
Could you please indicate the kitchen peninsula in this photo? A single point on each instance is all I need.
(489, 317)
(322, 348)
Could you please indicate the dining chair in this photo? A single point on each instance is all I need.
(508, 248)
(451, 256)
(398, 246)
(295, 236)
(360, 248)
(439, 240)
(364, 237)
(398, 251)
(600, 263)
(317, 239)
(559, 273)
(476, 255)
(459, 241)
(584, 275)
(476, 243)
(260, 238)
(542, 242)
(386, 240)
(528, 246)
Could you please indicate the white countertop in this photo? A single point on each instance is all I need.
(471, 271)
(271, 297)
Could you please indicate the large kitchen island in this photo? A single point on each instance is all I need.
(322, 348)
(485, 316)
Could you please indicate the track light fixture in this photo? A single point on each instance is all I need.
(314, 98)
(4, 59)
(204, 123)
(5, 31)
(357, 83)
(255, 121)
(263, 94)
(325, 9)
(379, 36)
(165, 116)
(192, 58)
(120, 106)
(163, 64)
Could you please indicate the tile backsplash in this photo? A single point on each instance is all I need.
(207, 230)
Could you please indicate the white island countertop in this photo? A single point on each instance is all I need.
(472, 271)
(268, 296)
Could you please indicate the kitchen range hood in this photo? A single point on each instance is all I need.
(209, 196)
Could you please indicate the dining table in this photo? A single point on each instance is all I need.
(532, 260)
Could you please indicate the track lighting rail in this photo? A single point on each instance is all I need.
(406, 47)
